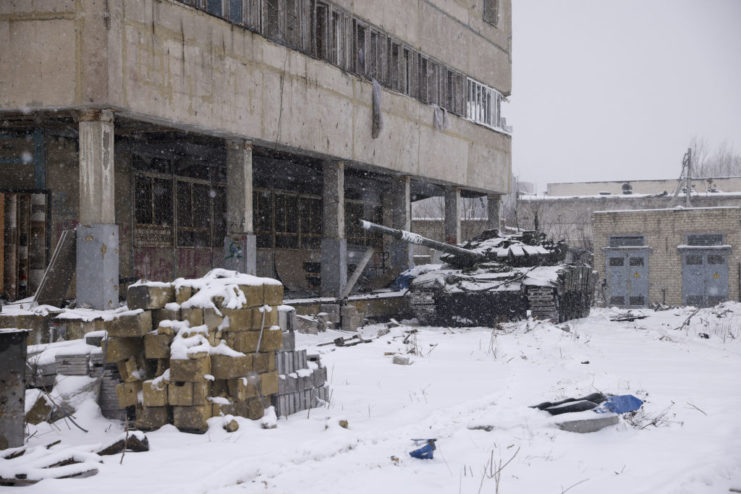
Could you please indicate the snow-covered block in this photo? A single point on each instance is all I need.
(157, 346)
(287, 317)
(127, 393)
(190, 370)
(221, 406)
(183, 293)
(242, 341)
(588, 422)
(180, 394)
(131, 324)
(154, 395)
(254, 294)
(149, 295)
(192, 419)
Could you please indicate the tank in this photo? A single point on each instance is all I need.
(494, 278)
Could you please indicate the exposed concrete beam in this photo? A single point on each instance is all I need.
(97, 188)
(453, 208)
(334, 243)
(494, 208)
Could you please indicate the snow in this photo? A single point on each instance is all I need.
(470, 388)
(46, 353)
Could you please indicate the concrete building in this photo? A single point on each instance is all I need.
(680, 256)
(569, 217)
(658, 186)
(177, 136)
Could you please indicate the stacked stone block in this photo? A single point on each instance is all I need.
(181, 360)
(301, 382)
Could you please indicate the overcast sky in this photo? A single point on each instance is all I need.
(615, 90)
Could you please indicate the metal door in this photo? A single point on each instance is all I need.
(627, 278)
(704, 277)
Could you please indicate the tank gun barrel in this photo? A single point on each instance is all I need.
(414, 238)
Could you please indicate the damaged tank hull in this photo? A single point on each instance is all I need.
(495, 278)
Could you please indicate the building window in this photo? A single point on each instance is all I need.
(214, 7)
(355, 210)
(271, 19)
(293, 23)
(236, 13)
(173, 208)
(483, 105)
(321, 12)
(286, 220)
(616, 261)
(491, 12)
(705, 239)
(628, 241)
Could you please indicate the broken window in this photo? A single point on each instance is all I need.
(491, 12)
(236, 11)
(252, 15)
(355, 210)
(359, 47)
(422, 78)
(394, 63)
(293, 24)
(271, 19)
(336, 31)
(286, 220)
(263, 218)
(214, 7)
(321, 49)
(432, 83)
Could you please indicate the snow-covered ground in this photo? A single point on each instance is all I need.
(470, 388)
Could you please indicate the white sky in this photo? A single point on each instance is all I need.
(615, 90)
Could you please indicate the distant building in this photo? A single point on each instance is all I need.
(679, 256)
(252, 134)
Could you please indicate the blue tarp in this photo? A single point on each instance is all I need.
(619, 404)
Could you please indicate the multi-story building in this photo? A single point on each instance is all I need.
(176, 136)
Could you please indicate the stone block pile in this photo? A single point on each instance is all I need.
(192, 349)
(301, 383)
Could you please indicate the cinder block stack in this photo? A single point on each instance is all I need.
(186, 352)
(301, 383)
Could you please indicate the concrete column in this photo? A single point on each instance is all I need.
(453, 206)
(97, 190)
(400, 202)
(12, 387)
(97, 234)
(334, 243)
(240, 248)
(494, 208)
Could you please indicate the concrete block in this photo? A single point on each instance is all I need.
(39, 412)
(332, 311)
(227, 367)
(130, 325)
(129, 370)
(212, 319)
(270, 319)
(263, 362)
(127, 393)
(254, 295)
(271, 340)
(96, 339)
(592, 423)
(201, 392)
(74, 329)
(287, 318)
(119, 349)
(151, 418)
(180, 394)
(242, 341)
(251, 408)
(273, 294)
(183, 294)
(190, 370)
(159, 315)
(149, 296)
(192, 419)
(242, 388)
(239, 319)
(154, 396)
(269, 383)
(219, 409)
(193, 315)
(288, 341)
(350, 319)
(287, 383)
(157, 346)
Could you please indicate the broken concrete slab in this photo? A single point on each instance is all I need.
(589, 423)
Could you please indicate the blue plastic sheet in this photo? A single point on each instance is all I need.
(620, 404)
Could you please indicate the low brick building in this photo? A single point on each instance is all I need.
(680, 256)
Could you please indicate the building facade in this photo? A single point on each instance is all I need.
(177, 136)
(679, 256)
